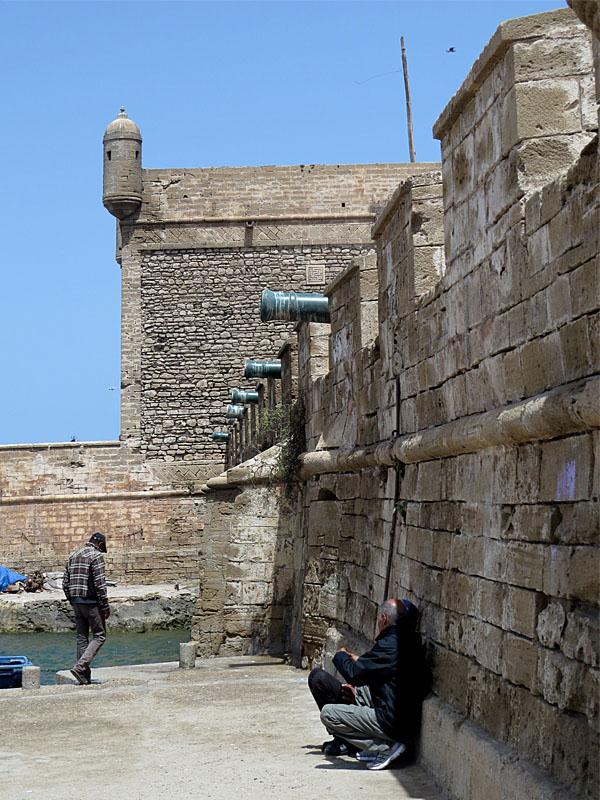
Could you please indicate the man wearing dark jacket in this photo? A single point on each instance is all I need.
(84, 585)
(377, 712)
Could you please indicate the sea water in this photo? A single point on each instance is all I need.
(55, 651)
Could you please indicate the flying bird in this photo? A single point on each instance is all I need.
(451, 50)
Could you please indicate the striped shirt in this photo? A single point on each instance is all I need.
(84, 576)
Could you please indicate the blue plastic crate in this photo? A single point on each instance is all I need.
(11, 671)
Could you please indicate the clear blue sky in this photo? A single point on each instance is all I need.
(209, 84)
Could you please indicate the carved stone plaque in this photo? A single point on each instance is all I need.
(315, 274)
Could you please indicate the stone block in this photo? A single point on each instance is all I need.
(513, 375)
(541, 108)
(30, 677)
(559, 232)
(187, 655)
(489, 701)
(520, 611)
(463, 169)
(451, 677)
(544, 58)
(528, 473)
(551, 624)
(558, 299)
(468, 554)
(575, 755)
(532, 361)
(559, 680)
(490, 601)
(519, 661)
(590, 696)
(565, 469)
(256, 592)
(480, 641)
(584, 574)
(581, 637)
(459, 593)
(535, 725)
(584, 285)
(525, 564)
(533, 523)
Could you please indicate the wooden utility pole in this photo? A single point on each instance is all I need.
(411, 146)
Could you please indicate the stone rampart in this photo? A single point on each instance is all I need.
(453, 448)
(217, 237)
(247, 575)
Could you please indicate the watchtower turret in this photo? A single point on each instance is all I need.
(122, 186)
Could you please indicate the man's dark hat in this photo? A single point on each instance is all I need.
(100, 540)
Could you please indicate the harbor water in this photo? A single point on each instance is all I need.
(55, 651)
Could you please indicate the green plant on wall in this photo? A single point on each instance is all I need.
(286, 424)
(275, 421)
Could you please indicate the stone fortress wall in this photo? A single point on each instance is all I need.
(451, 414)
(452, 425)
(195, 260)
(196, 248)
(54, 496)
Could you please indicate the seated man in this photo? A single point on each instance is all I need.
(377, 719)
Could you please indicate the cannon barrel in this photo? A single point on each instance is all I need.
(235, 412)
(262, 369)
(220, 436)
(294, 306)
(241, 396)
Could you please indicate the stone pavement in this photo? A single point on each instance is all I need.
(232, 726)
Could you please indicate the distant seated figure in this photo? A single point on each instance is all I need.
(377, 713)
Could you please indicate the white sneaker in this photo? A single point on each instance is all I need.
(366, 755)
(382, 760)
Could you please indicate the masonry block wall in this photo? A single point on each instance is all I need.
(55, 496)
(247, 575)
(498, 546)
(195, 260)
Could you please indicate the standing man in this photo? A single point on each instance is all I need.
(376, 714)
(84, 585)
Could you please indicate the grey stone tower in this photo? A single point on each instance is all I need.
(122, 186)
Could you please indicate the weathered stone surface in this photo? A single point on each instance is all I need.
(140, 609)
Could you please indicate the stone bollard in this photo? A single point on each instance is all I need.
(187, 655)
(30, 678)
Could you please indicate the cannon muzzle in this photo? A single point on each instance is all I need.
(294, 306)
(241, 396)
(220, 436)
(262, 369)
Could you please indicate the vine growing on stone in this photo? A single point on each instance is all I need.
(286, 424)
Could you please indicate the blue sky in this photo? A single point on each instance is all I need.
(209, 84)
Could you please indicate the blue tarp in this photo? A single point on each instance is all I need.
(7, 576)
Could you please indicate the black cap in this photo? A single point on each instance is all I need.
(100, 540)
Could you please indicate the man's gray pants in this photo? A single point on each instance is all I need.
(356, 724)
(88, 615)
